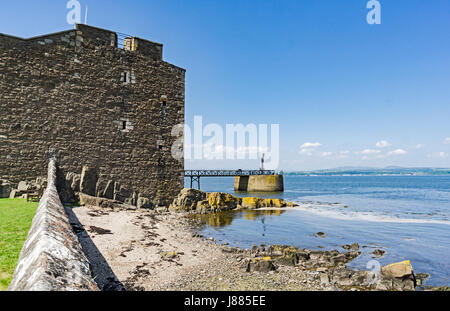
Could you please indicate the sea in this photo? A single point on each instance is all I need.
(406, 216)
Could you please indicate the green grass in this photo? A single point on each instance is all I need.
(16, 216)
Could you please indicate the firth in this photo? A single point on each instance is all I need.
(193, 301)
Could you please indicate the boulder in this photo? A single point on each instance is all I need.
(16, 194)
(251, 203)
(170, 255)
(220, 201)
(73, 180)
(378, 253)
(87, 200)
(132, 199)
(144, 203)
(262, 264)
(23, 186)
(65, 191)
(108, 192)
(321, 234)
(76, 182)
(288, 259)
(13, 194)
(88, 181)
(273, 203)
(255, 203)
(398, 276)
(188, 200)
(398, 270)
(100, 187)
(354, 246)
(5, 189)
(339, 259)
(122, 194)
(352, 255)
(203, 207)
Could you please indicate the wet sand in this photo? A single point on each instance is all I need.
(148, 250)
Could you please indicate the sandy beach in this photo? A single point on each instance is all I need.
(160, 251)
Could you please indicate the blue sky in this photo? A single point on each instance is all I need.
(335, 85)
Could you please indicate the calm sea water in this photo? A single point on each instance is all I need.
(407, 216)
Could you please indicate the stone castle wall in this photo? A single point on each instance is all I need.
(52, 258)
(98, 105)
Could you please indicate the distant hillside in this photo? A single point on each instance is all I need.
(426, 171)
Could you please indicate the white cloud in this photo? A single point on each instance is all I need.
(307, 152)
(369, 151)
(447, 141)
(309, 148)
(310, 145)
(438, 155)
(383, 144)
(397, 152)
(420, 146)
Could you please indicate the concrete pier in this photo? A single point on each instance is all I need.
(259, 183)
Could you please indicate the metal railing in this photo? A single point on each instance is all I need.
(226, 173)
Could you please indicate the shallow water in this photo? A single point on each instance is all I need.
(407, 216)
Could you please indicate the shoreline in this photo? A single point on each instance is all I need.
(160, 250)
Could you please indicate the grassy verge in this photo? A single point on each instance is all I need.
(15, 221)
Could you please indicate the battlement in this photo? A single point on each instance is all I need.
(85, 35)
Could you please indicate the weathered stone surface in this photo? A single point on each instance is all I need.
(203, 207)
(40, 183)
(263, 264)
(100, 187)
(52, 258)
(65, 191)
(251, 203)
(378, 253)
(5, 189)
(288, 259)
(73, 181)
(273, 203)
(68, 93)
(122, 194)
(220, 201)
(16, 194)
(354, 246)
(87, 200)
(108, 193)
(398, 270)
(23, 186)
(188, 199)
(195, 200)
(144, 203)
(88, 183)
(169, 255)
(132, 199)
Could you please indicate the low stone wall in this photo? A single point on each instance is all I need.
(259, 183)
(52, 258)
